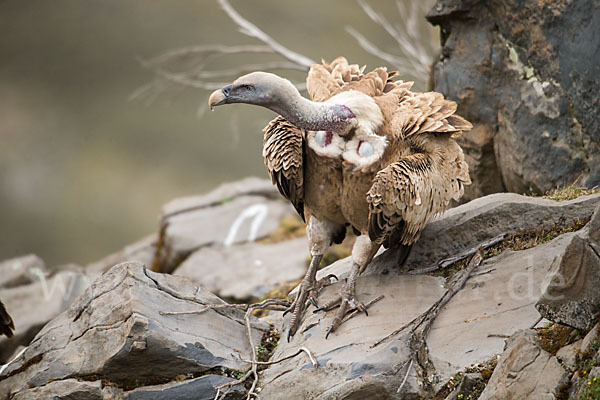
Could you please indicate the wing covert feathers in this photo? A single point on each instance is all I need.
(408, 193)
(282, 153)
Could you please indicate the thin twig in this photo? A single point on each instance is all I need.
(268, 304)
(446, 262)
(249, 29)
(299, 351)
(405, 376)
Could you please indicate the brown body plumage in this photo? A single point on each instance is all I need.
(387, 168)
(421, 170)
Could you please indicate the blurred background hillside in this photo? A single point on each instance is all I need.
(84, 169)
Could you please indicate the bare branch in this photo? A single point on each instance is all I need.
(370, 48)
(416, 55)
(446, 262)
(249, 29)
(205, 50)
(402, 38)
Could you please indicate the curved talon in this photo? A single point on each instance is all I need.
(332, 276)
(289, 335)
(313, 301)
(316, 310)
(361, 307)
(328, 332)
(287, 310)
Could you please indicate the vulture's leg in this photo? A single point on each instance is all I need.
(320, 236)
(403, 253)
(362, 253)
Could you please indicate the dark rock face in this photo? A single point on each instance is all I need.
(527, 74)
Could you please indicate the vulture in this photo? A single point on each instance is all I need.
(365, 151)
(6, 323)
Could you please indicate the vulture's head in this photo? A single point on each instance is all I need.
(258, 88)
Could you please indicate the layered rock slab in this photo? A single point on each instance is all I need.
(247, 270)
(192, 223)
(572, 295)
(116, 330)
(525, 370)
(498, 300)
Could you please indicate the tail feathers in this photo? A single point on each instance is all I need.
(7, 325)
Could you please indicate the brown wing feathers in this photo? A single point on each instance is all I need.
(283, 152)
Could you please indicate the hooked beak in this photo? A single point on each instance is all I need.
(219, 96)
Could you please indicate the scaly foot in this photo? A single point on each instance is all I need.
(347, 301)
(308, 291)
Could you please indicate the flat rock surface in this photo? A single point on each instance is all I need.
(202, 388)
(67, 389)
(348, 366)
(116, 330)
(249, 186)
(498, 300)
(247, 270)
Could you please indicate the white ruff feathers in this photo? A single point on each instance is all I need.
(365, 147)
(317, 142)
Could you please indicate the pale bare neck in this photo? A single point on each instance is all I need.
(310, 115)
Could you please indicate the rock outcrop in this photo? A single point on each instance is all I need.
(139, 334)
(527, 75)
(118, 331)
(525, 370)
(572, 295)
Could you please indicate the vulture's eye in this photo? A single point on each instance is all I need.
(247, 88)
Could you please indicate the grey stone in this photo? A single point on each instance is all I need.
(242, 219)
(116, 330)
(498, 300)
(202, 388)
(590, 338)
(247, 270)
(525, 371)
(467, 225)
(567, 355)
(531, 92)
(571, 296)
(67, 389)
(21, 271)
(349, 368)
(32, 306)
